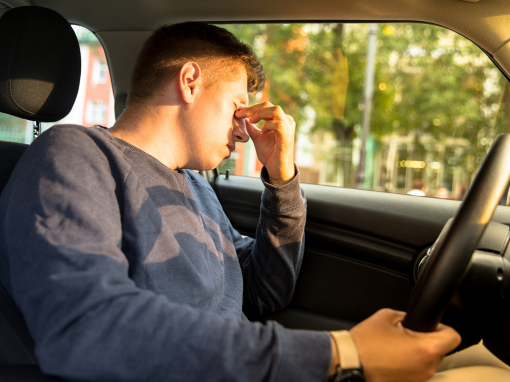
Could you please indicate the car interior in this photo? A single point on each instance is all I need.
(437, 259)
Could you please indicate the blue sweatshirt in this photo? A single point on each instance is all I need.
(126, 270)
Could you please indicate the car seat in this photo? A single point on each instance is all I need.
(40, 68)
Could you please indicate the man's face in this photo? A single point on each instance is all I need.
(213, 130)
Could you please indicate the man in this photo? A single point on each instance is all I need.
(419, 188)
(442, 193)
(126, 268)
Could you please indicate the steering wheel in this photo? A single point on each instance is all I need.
(453, 250)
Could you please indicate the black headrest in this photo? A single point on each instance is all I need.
(40, 64)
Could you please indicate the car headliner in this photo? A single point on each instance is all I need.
(123, 25)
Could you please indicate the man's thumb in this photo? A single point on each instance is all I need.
(253, 131)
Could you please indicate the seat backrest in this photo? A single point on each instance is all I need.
(16, 344)
(40, 67)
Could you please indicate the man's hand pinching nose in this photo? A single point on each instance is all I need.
(275, 142)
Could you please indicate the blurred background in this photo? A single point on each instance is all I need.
(424, 102)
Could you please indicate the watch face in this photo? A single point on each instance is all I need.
(352, 376)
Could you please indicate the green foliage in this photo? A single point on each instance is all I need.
(436, 82)
(85, 36)
(429, 81)
(8, 120)
(12, 128)
(282, 50)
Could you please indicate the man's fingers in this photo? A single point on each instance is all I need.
(268, 114)
(247, 112)
(390, 315)
(446, 339)
(442, 327)
(264, 111)
(272, 126)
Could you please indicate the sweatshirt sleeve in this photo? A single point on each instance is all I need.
(61, 242)
(271, 263)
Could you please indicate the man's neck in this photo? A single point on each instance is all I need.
(151, 131)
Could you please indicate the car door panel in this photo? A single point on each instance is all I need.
(361, 247)
(338, 286)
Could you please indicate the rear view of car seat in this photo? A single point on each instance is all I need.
(40, 68)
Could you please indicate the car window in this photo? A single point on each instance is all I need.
(94, 102)
(419, 120)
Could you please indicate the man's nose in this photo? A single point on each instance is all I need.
(239, 130)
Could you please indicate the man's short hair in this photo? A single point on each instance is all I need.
(220, 54)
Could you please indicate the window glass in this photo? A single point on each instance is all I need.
(94, 102)
(95, 111)
(419, 120)
(99, 72)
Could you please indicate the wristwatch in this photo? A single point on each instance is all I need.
(349, 367)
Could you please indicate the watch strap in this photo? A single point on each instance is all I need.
(347, 350)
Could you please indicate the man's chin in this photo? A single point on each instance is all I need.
(206, 165)
(211, 166)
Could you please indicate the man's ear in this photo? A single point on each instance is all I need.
(190, 79)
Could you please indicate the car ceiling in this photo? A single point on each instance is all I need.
(485, 22)
(122, 25)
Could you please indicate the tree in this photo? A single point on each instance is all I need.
(430, 82)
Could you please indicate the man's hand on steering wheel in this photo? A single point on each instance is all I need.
(391, 353)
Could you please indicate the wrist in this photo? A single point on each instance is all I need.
(334, 358)
(346, 365)
(284, 177)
